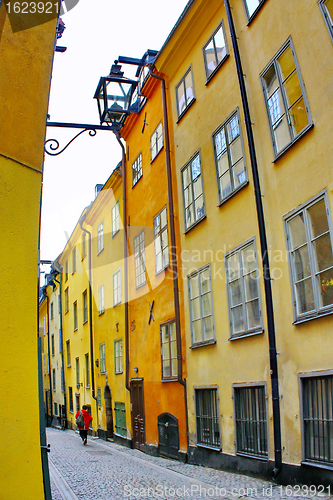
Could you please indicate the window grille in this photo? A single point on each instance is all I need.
(207, 417)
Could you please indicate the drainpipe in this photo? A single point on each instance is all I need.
(123, 174)
(90, 320)
(264, 252)
(49, 349)
(174, 267)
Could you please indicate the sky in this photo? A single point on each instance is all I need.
(96, 33)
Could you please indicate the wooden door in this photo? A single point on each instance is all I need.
(138, 414)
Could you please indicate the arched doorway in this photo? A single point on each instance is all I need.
(168, 435)
(108, 411)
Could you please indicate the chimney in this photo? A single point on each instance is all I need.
(98, 187)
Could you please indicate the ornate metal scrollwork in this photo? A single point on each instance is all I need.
(52, 145)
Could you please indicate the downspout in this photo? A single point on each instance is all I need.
(90, 319)
(48, 343)
(264, 252)
(123, 174)
(174, 267)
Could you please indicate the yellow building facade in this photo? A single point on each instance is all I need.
(157, 361)
(25, 61)
(259, 393)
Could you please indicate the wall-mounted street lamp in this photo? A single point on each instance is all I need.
(114, 98)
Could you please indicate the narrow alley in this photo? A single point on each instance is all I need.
(106, 471)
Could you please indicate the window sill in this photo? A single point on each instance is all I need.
(247, 334)
(195, 223)
(69, 366)
(75, 329)
(185, 110)
(87, 386)
(304, 131)
(173, 379)
(249, 455)
(241, 186)
(209, 78)
(85, 322)
(103, 373)
(255, 12)
(99, 253)
(118, 373)
(203, 344)
(313, 316)
(118, 304)
(140, 286)
(115, 234)
(322, 465)
(151, 161)
(133, 185)
(100, 313)
(209, 447)
(66, 312)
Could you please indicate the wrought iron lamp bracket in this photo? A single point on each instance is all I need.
(51, 146)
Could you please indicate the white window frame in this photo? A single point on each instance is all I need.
(166, 350)
(188, 99)
(75, 317)
(314, 273)
(327, 16)
(74, 260)
(199, 213)
(68, 353)
(87, 371)
(102, 359)
(224, 134)
(225, 52)
(85, 306)
(118, 356)
(156, 141)
(158, 243)
(77, 370)
(100, 238)
(66, 300)
(286, 112)
(116, 281)
(247, 331)
(137, 170)
(101, 300)
(140, 259)
(203, 340)
(115, 219)
(250, 15)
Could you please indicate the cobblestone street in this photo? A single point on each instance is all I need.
(106, 471)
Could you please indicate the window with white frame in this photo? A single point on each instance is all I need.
(115, 219)
(251, 420)
(161, 240)
(137, 169)
(75, 315)
(169, 350)
(51, 310)
(70, 398)
(309, 240)
(193, 198)
(101, 306)
(77, 369)
(60, 340)
(99, 396)
(66, 270)
(286, 103)
(100, 237)
(243, 290)
(140, 259)
(118, 356)
(201, 306)
(207, 417)
(117, 287)
(156, 141)
(68, 351)
(229, 157)
(251, 6)
(85, 306)
(54, 379)
(317, 418)
(102, 358)
(185, 92)
(326, 7)
(74, 260)
(52, 345)
(66, 300)
(87, 371)
(215, 51)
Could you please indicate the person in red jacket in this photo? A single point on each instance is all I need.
(87, 419)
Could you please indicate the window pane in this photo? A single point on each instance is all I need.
(174, 349)
(301, 263)
(166, 368)
(326, 282)
(220, 143)
(189, 216)
(237, 319)
(207, 304)
(223, 164)
(249, 259)
(297, 231)
(286, 63)
(188, 196)
(252, 5)
(236, 150)
(174, 366)
(210, 58)
(304, 296)
(298, 116)
(323, 252)
(196, 308)
(251, 286)
(194, 286)
(233, 266)
(181, 98)
(186, 176)
(235, 292)
(292, 89)
(197, 336)
(238, 173)
(205, 281)
(220, 45)
(281, 134)
(197, 187)
(199, 207)
(225, 184)
(189, 88)
(318, 218)
(208, 328)
(253, 314)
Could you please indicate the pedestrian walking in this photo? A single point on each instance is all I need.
(83, 423)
